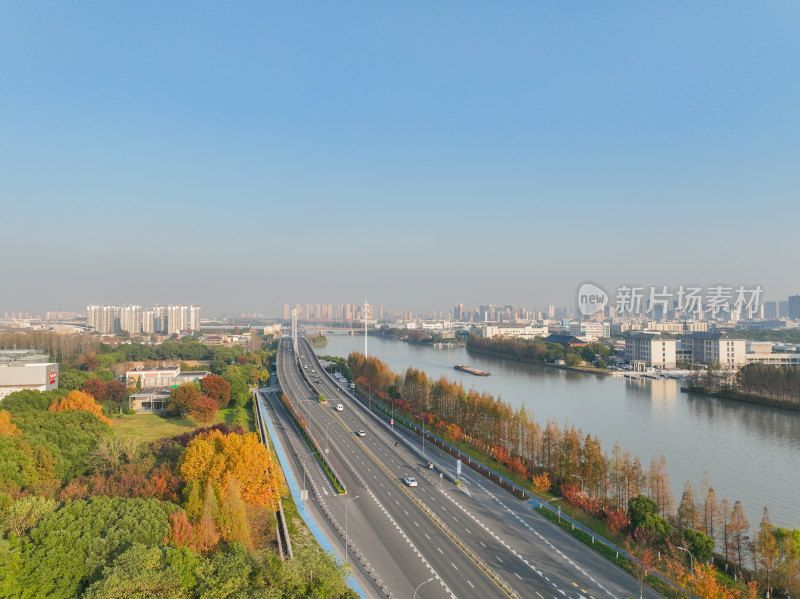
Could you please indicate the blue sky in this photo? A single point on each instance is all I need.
(427, 152)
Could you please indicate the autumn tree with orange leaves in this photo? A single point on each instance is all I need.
(6, 426)
(217, 458)
(78, 400)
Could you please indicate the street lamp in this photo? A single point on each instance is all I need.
(303, 462)
(347, 505)
(420, 584)
(327, 435)
(423, 434)
(580, 477)
(691, 558)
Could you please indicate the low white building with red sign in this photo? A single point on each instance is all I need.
(22, 369)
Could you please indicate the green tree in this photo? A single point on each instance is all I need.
(144, 572)
(240, 390)
(701, 547)
(69, 548)
(24, 513)
(232, 519)
(639, 508)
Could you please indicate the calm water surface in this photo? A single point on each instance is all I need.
(750, 453)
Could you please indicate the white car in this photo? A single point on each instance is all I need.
(410, 481)
(339, 407)
(360, 433)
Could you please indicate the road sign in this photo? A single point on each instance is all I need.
(391, 422)
(458, 468)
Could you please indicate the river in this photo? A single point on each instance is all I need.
(750, 453)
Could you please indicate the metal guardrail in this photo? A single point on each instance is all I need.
(284, 539)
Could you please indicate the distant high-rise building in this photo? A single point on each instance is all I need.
(148, 322)
(770, 310)
(130, 319)
(551, 311)
(783, 309)
(458, 312)
(794, 307)
(103, 319)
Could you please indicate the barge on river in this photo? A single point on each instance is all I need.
(470, 370)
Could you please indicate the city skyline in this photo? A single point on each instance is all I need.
(422, 154)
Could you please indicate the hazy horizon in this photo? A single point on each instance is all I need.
(244, 156)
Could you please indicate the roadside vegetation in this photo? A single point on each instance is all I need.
(87, 510)
(611, 491)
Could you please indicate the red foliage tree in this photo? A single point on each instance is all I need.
(217, 388)
(115, 391)
(183, 398)
(617, 520)
(203, 409)
(95, 387)
(180, 529)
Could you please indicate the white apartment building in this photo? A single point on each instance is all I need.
(520, 331)
(130, 319)
(712, 347)
(590, 330)
(652, 349)
(108, 320)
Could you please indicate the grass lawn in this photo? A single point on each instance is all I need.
(154, 426)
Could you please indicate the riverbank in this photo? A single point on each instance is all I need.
(513, 358)
(649, 417)
(732, 395)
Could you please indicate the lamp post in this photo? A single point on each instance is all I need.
(420, 584)
(327, 435)
(303, 462)
(691, 557)
(581, 478)
(347, 505)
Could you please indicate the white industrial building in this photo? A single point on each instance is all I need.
(22, 369)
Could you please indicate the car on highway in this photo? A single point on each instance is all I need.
(339, 407)
(360, 433)
(410, 481)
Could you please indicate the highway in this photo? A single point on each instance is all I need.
(474, 539)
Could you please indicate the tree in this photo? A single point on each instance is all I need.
(24, 513)
(183, 399)
(144, 572)
(687, 510)
(70, 546)
(700, 546)
(203, 410)
(232, 520)
(206, 531)
(6, 426)
(767, 553)
(78, 400)
(96, 387)
(215, 458)
(737, 534)
(116, 391)
(240, 390)
(639, 508)
(217, 388)
(711, 513)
